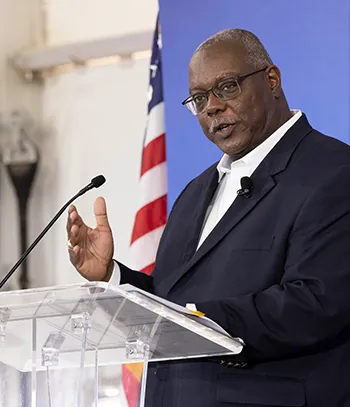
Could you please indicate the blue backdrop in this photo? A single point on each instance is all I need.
(308, 39)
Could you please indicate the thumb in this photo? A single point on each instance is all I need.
(100, 210)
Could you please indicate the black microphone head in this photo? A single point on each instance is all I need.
(246, 183)
(98, 181)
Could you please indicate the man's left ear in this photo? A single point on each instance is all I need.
(274, 78)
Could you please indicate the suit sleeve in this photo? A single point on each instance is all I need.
(139, 280)
(311, 305)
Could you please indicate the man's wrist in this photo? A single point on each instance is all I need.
(109, 272)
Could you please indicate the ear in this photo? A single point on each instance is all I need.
(274, 80)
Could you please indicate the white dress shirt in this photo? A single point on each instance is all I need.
(230, 174)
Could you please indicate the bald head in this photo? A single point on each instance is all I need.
(255, 53)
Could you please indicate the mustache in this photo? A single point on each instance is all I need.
(216, 123)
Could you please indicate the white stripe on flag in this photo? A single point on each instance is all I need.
(143, 250)
(153, 184)
(155, 124)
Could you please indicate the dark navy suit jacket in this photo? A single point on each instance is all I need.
(275, 271)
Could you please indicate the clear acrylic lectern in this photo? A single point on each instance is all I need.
(62, 339)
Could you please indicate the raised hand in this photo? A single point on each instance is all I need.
(91, 250)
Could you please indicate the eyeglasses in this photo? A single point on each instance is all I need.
(226, 89)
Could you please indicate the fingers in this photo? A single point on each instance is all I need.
(73, 218)
(77, 236)
(71, 209)
(75, 233)
(100, 210)
(75, 256)
(74, 226)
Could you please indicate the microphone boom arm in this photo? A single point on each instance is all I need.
(95, 183)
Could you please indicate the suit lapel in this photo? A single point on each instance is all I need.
(263, 182)
(207, 192)
(236, 212)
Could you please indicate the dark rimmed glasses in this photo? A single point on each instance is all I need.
(226, 89)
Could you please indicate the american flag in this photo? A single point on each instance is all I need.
(151, 217)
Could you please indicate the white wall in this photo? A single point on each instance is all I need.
(97, 117)
(20, 27)
(93, 119)
(77, 20)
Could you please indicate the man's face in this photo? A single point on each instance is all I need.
(239, 125)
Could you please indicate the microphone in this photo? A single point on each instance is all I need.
(95, 183)
(246, 187)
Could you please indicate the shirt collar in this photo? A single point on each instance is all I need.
(254, 157)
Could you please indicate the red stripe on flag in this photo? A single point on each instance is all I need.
(131, 384)
(148, 270)
(153, 154)
(150, 217)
